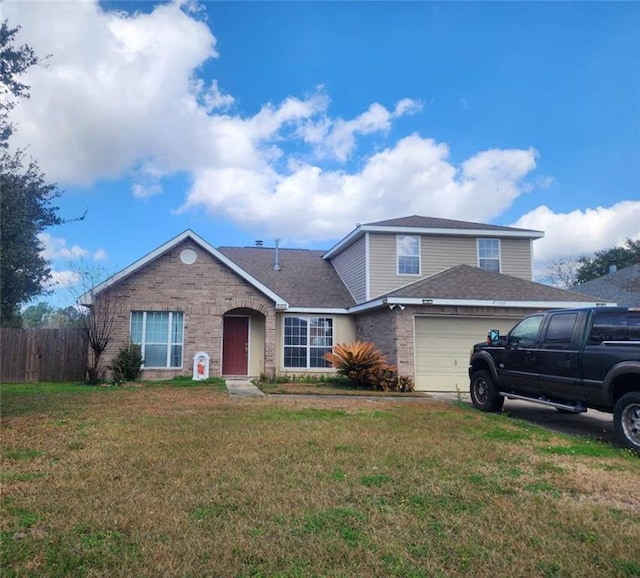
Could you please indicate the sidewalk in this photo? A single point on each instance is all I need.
(242, 388)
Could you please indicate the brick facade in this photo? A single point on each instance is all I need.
(204, 291)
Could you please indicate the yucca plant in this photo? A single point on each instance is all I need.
(362, 362)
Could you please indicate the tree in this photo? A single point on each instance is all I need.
(560, 271)
(598, 264)
(44, 315)
(26, 198)
(98, 318)
(67, 317)
(37, 315)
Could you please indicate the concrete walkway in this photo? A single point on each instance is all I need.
(242, 388)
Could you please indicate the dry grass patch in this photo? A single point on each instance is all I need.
(165, 481)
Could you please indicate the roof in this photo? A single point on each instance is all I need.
(622, 286)
(418, 225)
(305, 279)
(414, 221)
(467, 283)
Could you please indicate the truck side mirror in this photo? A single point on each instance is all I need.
(493, 338)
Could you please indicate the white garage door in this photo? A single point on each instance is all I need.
(442, 349)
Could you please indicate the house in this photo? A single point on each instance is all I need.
(619, 285)
(422, 289)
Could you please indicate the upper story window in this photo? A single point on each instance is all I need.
(160, 335)
(489, 254)
(408, 251)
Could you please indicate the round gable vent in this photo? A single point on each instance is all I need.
(188, 256)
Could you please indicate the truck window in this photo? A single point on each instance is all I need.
(526, 331)
(560, 330)
(615, 327)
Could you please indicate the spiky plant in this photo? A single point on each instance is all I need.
(362, 362)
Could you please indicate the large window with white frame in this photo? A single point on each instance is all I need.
(489, 255)
(408, 252)
(160, 335)
(306, 340)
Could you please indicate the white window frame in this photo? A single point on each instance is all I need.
(400, 254)
(169, 343)
(308, 345)
(498, 258)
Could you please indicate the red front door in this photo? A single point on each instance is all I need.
(235, 346)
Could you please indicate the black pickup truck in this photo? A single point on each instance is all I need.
(570, 359)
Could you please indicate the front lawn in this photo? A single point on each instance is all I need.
(326, 387)
(185, 481)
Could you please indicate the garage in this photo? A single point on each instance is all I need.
(442, 346)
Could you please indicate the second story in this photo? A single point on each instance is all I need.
(376, 258)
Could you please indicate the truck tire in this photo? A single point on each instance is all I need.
(626, 420)
(484, 393)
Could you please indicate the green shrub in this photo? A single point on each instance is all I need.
(127, 365)
(367, 367)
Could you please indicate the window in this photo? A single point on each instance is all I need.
(408, 250)
(609, 326)
(560, 330)
(489, 254)
(306, 340)
(160, 334)
(526, 331)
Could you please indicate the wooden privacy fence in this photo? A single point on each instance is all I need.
(33, 355)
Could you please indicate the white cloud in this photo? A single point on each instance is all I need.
(100, 255)
(55, 248)
(140, 191)
(414, 176)
(117, 91)
(63, 279)
(582, 232)
(336, 139)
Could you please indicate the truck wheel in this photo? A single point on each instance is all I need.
(626, 420)
(484, 393)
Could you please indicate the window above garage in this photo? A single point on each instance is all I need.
(489, 255)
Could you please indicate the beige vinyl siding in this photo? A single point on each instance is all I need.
(344, 331)
(438, 253)
(516, 257)
(351, 266)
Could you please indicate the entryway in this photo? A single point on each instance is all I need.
(235, 345)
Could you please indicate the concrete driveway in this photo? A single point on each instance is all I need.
(593, 424)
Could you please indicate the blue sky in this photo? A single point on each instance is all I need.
(255, 120)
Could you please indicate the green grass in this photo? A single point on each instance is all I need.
(180, 479)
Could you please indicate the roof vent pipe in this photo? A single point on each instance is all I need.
(612, 267)
(276, 265)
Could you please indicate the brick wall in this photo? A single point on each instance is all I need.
(204, 291)
(379, 327)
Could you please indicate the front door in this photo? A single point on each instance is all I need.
(235, 346)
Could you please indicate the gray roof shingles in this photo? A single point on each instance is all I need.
(471, 283)
(416, 221)
(305, 279)
(621, 287)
